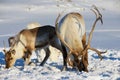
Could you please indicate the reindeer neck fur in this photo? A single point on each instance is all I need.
(27, 38)
(19, 50)
(23, 40)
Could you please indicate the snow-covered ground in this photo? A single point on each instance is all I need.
(107, 69)
(15, 15)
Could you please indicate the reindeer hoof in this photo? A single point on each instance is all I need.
(41, 64)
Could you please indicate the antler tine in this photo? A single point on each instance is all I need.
(97, 13)
(94, 12)
(98, 17)
(4, 47)
(96, 8)
(56, 22)
(4, 44)
(98, 52)
(60, 14)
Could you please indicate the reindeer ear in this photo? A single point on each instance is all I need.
(5, 51)
(13, 51)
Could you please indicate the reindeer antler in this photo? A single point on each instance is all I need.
(98, 17)
(98, 14)
(4, 46)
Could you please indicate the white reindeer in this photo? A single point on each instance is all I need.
(72, 33)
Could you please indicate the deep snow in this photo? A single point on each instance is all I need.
(15, 15)
(107, 69)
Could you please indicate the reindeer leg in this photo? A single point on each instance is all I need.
(27, 58)
(64, 53)
(38, 55)
(62, 48)
(47, 51)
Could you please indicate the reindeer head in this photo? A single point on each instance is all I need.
(10, 58)
(77, 62)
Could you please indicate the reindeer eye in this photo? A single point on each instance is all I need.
(11, 58)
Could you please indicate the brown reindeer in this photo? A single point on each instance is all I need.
(72, 33)
(29, 40)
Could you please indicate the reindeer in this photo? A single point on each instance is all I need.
(72, 33)
(29, 40)
(53, 54)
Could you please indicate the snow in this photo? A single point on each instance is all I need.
(15, 15)
(107, 69)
